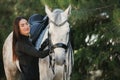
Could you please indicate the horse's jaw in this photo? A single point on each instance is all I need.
(60, 56)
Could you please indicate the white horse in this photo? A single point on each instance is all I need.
(57, 66)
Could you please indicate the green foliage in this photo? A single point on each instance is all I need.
(56, 3)
(103, 54)
(2, 38)
(27, 8)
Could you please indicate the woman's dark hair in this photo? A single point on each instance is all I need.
(16, 34)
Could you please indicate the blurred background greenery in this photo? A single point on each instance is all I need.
(95, 27)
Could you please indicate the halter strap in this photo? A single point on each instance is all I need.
(58, 24)
(59, 45)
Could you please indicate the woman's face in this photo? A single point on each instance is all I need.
(24, 27)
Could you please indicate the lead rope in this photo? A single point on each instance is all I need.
(65, 68)
(51, 58)
(52, 63)
(65, 71)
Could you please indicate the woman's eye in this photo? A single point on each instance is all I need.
(22, 25)
(27, 24)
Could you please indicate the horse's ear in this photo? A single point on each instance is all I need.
(68, 10)
(48, 11)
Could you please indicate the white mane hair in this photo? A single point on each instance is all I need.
(56, 17)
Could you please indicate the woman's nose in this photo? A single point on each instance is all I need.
(27, 25)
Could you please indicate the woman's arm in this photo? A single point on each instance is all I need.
(31, 50)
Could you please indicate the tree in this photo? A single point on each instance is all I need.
(96, 40)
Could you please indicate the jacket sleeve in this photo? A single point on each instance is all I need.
(31, 50)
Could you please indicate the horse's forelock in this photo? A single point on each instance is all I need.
(57, 11)
(58, 17)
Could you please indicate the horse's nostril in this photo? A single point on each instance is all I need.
(64, 61)
(53, 59)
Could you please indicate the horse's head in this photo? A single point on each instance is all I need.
(59, 32)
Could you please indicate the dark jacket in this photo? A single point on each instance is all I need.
(28, 58)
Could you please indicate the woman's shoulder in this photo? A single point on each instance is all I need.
(19, 43)
(23, 43)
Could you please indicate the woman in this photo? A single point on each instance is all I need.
(25, 51)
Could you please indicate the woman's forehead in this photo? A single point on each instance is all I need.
(22, 21)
